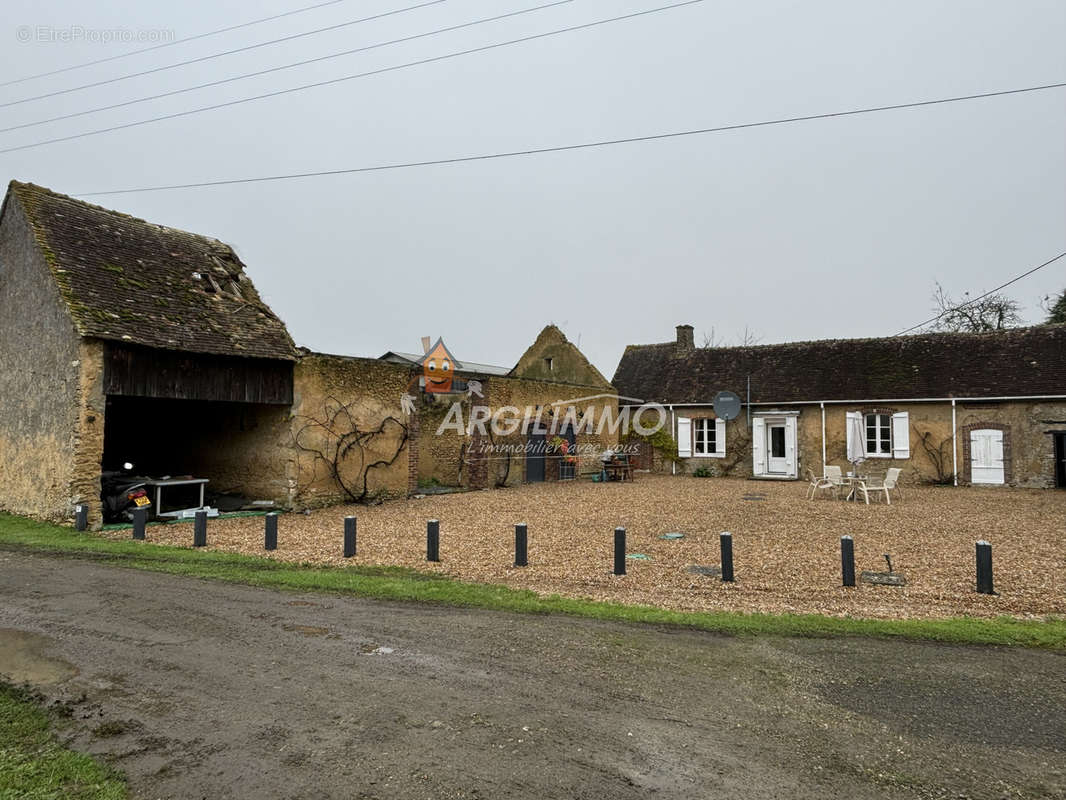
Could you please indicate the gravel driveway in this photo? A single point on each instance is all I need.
(787, 549)
(201, 689)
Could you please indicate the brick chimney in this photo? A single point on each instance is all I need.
(684, 337)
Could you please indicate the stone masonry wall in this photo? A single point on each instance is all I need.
(1029, 450)
(338, 391)
(40, 381)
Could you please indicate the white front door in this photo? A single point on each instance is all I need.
(773, 446)
(776, 458)
(986, 456)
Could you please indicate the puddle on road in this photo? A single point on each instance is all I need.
(23, 659)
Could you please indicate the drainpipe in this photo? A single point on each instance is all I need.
(673, 429)
(823, 438)
(954, 445)
(748, 404)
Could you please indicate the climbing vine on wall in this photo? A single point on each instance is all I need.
(348, 447)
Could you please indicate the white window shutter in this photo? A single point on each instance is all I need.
(848, 426)
(790, 446)
(901, 435)
(684, 437)
(758, 446)
(719, 437)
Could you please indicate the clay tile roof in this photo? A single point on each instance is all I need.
(1018, 362)
(129, 280)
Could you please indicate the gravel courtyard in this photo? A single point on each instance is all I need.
(786, 548)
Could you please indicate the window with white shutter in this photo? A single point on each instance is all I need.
(684, 437)
(901, 435)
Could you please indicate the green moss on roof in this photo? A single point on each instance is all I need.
(85, 246)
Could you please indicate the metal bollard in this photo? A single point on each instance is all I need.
(619, 551)
(199, 530)
(349, 537)
(984, 568)
(521, 545)
(847, 560)
(270, 532)
(81, 517)
(433, 540)
(726, 539)
(140, 517)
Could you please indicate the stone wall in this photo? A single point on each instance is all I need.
(553, 358)
(454, 458)
(40, 381)
(1029, 448)
(334, 396)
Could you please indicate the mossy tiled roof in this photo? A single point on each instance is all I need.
(1019, 362)
(126, 279)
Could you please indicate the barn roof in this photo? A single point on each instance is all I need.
(129, 280)
(1018, 362)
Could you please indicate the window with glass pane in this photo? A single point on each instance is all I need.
(703, 434)
(879, 434)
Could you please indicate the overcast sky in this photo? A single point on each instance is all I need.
(821, 229)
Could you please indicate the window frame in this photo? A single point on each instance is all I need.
(710, 439)
(882, 425)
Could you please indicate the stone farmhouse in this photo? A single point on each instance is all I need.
(126, 341)
(958, 408)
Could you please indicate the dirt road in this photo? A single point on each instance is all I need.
(201, 689)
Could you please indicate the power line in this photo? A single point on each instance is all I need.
(287, 66)
(171, 44)
(199, 59)
(333, 81)
(986, 294)
(579, 146)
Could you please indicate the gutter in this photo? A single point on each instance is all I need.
(823, 439)
(948, 399)
(954, 446)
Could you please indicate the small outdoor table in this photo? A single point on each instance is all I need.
(620, 468)
(159, 485)
(855, 481)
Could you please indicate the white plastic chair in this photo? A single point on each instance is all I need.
(890, 481)
(835, 476)
(817, 484)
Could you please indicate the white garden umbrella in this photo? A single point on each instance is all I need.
(857, 441)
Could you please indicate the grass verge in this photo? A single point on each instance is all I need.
(398, 583)
(35, 766)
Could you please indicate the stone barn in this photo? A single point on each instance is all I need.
(125, 341)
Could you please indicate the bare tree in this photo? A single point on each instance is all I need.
(992, 313)
(746, 339)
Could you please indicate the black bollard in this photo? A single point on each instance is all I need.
(270, 532)
(726, 538)
(847, 559)
(619, 551)
(81, 517)
(140, 517)
(199, 529)
(433, 540)
(349, 537)
(984, 568)
(521, 545)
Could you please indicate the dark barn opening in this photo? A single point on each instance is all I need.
(222, 418)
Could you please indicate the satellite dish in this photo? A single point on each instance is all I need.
(727, 405)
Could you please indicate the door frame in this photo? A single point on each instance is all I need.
(1058, 439)
(967, 458)
(771, 425)
(996, 436)
(760, 423)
